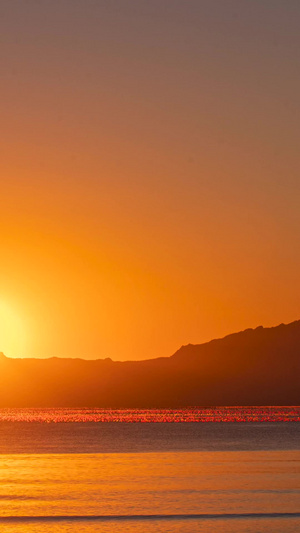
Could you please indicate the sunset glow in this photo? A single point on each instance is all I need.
(13, 332)
(149, 174)
(149, 267)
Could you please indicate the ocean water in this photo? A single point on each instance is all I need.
(229, 470)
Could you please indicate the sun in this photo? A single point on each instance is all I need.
(12, 331)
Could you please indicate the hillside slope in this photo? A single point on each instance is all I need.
(253, 367)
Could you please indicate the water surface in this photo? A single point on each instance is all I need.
(61, 475)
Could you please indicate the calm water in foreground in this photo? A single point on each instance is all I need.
(213, 470)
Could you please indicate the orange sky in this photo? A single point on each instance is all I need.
(149, 174)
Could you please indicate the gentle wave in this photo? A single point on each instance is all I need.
(192, 414)
(123, 518)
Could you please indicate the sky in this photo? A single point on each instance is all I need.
(149, 173)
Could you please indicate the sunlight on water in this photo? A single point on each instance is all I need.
(85, 476)
(194, 414)
(132, 485)
(193, 526)
(152, 483)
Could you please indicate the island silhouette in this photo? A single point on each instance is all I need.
(253, 367)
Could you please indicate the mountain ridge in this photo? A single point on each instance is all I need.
(258, 366)
(109, 359)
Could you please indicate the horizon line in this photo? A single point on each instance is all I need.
(109, 359)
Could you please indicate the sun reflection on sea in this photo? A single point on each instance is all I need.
(192, 414)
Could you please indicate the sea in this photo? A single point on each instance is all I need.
(216, 469)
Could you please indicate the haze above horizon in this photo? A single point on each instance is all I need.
(150, 174)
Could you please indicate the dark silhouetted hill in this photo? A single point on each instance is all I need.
(254, 367)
